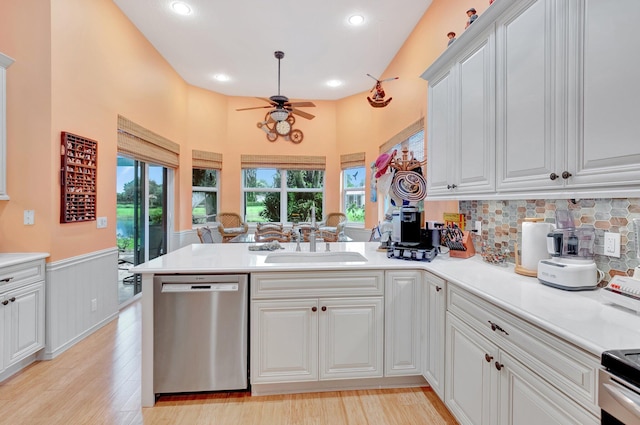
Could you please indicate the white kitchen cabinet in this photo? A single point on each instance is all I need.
(403, 350)
(461, 123)
(485, 385)
(285, 336)
(21, 314)
(298, 334)
(433, 327)
(565, 102)
(486, 377)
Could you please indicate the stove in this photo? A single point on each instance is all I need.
(619, 387)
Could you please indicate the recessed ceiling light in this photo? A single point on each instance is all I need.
(356, 20)
(221, 77)
(181, 8)
(334, 83)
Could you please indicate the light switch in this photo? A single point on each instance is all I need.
(101, 222)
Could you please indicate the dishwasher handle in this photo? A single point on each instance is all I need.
(199, 287)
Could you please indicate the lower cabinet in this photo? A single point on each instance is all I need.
(403, 327)
(433, 331)
(317, 339)
(21, 314)
(24, 322)
(500, 369)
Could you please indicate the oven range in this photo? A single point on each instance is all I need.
(619, 387)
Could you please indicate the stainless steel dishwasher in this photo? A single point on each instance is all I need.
(200, 333)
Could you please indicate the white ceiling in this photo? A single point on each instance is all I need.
(239, 37)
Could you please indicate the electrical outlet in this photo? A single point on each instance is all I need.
(478, 227)
(101, 222)
(612, 244)
(94, 304)
(29, 217)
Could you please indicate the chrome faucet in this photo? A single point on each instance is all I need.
(312, 233)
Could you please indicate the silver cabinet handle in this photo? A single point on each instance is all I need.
(624, 397)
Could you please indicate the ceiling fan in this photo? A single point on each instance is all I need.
(280, 104)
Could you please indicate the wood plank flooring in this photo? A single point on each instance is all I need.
(97, 382)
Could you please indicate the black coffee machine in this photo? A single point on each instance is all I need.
(412, 235)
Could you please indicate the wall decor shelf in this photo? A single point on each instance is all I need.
(78, 158)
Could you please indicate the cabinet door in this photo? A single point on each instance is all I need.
(284, 341)
(526, 399)
(528, 146)
(433, 323)
(25, 319)
(351, 337)
(440, 135)
(476, 119)
(471, 386)
(606, 148)
(402, 323)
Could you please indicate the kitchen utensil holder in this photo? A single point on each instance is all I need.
(469, 250)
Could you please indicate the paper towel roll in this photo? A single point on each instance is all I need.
(534, 243)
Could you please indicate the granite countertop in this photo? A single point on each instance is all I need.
(578, 317)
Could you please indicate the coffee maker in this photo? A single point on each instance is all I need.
(571, 266)
(410, 240)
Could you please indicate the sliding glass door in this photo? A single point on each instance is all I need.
(141, 217)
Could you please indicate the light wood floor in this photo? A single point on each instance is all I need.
(97, 382)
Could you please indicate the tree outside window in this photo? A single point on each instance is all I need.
(353, 192)
(272, 195)
(204, 196)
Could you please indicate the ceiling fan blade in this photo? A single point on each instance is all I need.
(389, 79)
(372, 77)
(267, 100)
(299, 104)
(303, 114)
(255, 107)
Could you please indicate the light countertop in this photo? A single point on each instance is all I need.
(10, 259)
(578, 317)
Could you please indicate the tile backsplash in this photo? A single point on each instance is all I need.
(502, 225)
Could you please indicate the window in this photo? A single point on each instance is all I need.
(281, 195)
(413, 139)
(353, 194)
(204, 196)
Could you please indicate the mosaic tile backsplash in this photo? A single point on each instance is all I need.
(502, 225)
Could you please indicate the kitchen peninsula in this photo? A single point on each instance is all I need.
(455, 323)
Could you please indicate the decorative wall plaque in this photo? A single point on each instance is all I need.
(78, 158)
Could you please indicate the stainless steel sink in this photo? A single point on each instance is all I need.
(315, 257)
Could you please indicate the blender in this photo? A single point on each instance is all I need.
(572, 266)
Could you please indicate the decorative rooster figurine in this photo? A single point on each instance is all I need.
(378, 100)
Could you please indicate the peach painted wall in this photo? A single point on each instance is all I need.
(25, 36)
(81, 63)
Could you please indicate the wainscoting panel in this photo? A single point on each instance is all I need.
(81, 296)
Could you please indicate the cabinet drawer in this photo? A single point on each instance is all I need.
(317, 284)
(18, 275)
(565, 366)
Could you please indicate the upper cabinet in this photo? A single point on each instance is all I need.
(5, 62)
(561, 107)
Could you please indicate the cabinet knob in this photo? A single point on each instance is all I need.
(451, 186)
(5, 302)
(12, 299)
(438, 289)
(488, 358)
(314, 308)
(499, 365)
(566, 175)
(553, 176)
(324, 308)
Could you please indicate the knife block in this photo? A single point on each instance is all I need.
(468, 244)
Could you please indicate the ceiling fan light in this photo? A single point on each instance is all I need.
(279, 114)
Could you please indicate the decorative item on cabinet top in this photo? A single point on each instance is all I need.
(78, 170)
